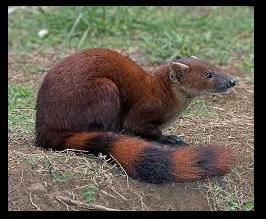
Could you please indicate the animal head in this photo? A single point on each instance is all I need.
(196, 77)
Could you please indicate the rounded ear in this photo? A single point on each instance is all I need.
(177, 71)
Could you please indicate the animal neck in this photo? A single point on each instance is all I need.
(183, 99)
(180, 98)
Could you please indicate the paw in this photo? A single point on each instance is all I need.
(172, 140)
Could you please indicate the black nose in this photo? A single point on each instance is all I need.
(232, 83)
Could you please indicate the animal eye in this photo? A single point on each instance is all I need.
(209, 75)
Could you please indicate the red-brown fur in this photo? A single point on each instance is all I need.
(97, 91)
(183, 159)
(79, 140)
(127, 151)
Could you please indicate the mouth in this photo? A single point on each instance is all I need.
(222, 90)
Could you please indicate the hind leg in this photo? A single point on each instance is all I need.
(105, 109)
(98, 106)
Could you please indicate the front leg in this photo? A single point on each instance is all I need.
(171, 140)
(144, 120)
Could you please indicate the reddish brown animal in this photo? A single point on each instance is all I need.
(101, 101)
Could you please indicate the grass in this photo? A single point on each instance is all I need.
(213, 33)
(228, 201)
(199, 107)
(223, 35)
(67, 166)
(38, 163)
(88, 193)
(33, 68)
(21, 104)
(61, 178)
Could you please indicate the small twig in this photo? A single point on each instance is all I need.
(47, 157)
(185, 186)
(208, 200)
(143, 206)
(210, 190)
(121, 168)
(67, 206)
(21, 179)
(93, 178)
(36, 206)
(89, 206)
(250, 146)
(119, 194)
(73, 150)
(104, 192)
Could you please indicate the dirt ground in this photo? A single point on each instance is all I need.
(47, 180)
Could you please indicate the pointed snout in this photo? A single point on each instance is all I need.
(224, 84)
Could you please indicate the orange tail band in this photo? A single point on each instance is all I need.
(153, 163)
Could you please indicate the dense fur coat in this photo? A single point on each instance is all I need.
(101, 101)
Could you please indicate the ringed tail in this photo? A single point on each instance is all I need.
(151, 162)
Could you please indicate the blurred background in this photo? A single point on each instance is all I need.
(221, 34)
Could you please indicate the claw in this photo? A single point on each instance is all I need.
(172, 140)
